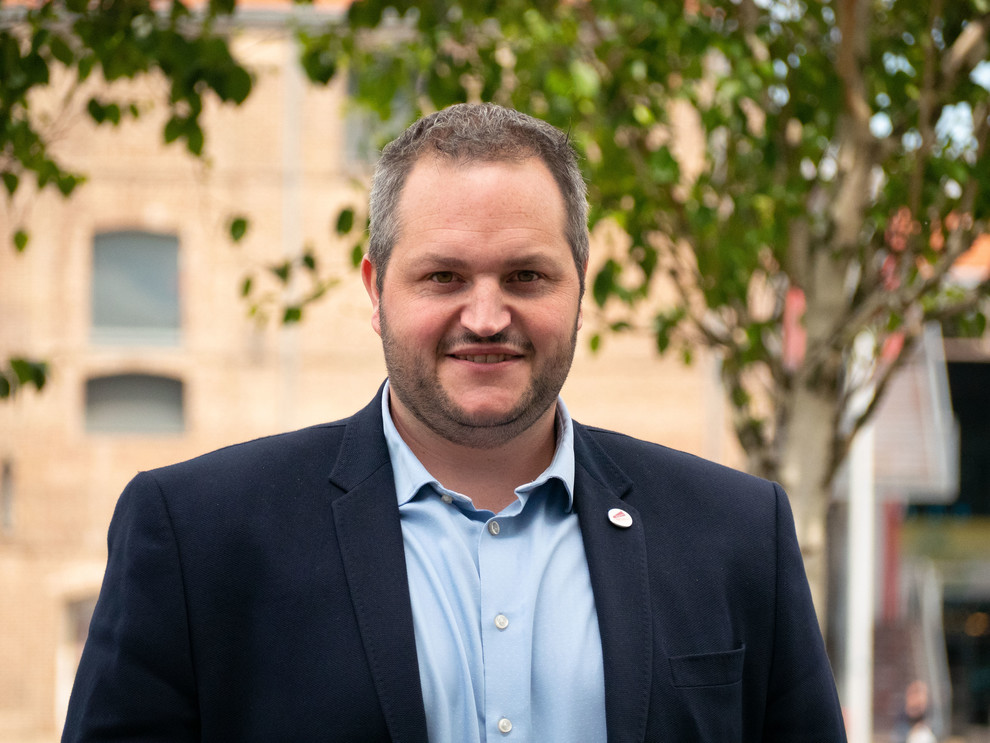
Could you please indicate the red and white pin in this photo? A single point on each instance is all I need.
(620, 518)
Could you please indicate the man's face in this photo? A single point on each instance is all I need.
(480, 304)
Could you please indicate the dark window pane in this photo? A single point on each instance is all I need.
(135, 288)
(134, 403)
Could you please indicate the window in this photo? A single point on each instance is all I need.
(134, 403)
(135, 291)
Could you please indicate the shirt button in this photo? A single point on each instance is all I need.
(493, 530)
(504, 725)
(447, 498)
(501, 621)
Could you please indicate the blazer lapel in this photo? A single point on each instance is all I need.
(366, 516)
(619, 579)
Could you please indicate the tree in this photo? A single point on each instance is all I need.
(112, 39)
(843, 173)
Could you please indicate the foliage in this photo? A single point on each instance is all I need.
(116, 39)
(20, 373)
(842, 168)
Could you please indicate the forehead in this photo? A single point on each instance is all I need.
(444, 200)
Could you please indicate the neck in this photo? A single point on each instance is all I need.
(490, 475)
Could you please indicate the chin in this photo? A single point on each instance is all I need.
(489, 412)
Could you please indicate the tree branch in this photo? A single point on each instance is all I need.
(968, 50)
(848, 327)
(926, 123)
(853, 22)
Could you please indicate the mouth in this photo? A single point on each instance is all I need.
(488, 358)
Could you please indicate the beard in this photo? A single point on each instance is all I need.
(414, 378)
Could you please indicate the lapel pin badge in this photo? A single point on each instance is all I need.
(620, 518)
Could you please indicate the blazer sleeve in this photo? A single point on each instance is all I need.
(802, 704)
(135, 679)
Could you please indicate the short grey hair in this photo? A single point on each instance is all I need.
(471, 133)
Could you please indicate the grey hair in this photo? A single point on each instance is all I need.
(471, 133)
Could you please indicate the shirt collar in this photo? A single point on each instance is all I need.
(410, 474)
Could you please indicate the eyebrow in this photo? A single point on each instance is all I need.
(455, 261)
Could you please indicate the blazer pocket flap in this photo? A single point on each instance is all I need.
(708, 669)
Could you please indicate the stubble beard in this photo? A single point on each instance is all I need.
(416, 383)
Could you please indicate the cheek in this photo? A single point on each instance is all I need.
(418, 325)
(551, 331)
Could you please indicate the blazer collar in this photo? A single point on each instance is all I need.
(366, 516)
(620, 582)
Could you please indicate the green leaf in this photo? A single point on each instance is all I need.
(238, 228)
(292, 315)
(61, 50)
(604, 284)
(596, 342)
(664, 325)
(309, 261)
(10, 182)
(66, 183)
(246, 286)
(29, 372)
(194, 137)
(85, 66)
(174, 129)
(237, 85)
(740, 398)
(345, 221)
(357, 254)
(282, 270)
(318, 59)
(20, 240)
(96, 111)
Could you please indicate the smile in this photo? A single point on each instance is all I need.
(490, 358)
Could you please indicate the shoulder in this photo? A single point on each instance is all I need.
(244, 489)
(299, 450)
(644, 460)
(668, 486)
(253, 476)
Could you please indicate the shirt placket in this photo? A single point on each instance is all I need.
(506, 629)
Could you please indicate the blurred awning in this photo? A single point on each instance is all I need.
(916, 454)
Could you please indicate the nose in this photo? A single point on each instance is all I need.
(486, 312)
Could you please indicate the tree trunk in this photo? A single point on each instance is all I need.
(804, 458)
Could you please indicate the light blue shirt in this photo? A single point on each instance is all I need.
(503, 612)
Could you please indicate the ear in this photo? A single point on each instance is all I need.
(370, 278)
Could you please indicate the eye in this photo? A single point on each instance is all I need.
(442, 277)
(526, 277)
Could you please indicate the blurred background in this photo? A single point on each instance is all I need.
(789, 275)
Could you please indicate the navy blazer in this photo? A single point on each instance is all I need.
(259, 593)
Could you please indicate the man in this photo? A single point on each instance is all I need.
(459, 561)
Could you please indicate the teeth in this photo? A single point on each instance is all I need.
(490, 358)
